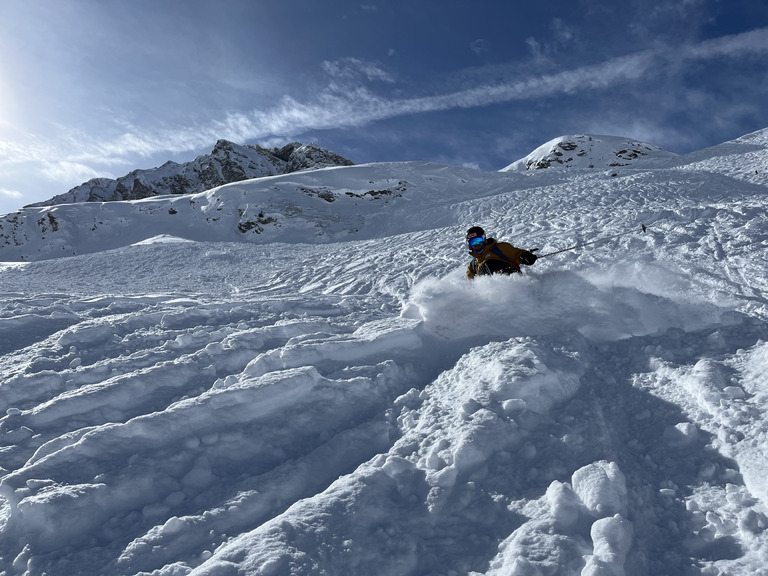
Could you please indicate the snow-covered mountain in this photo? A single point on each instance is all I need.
(593, 152)
(298, 206)
(227, 162)
(290, 376)
(314, 206)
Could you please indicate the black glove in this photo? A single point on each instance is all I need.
(528, 258)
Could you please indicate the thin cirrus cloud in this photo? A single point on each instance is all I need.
(10, 193)
(349, 105)
(349, 101)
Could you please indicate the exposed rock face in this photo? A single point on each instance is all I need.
(311, 157)
(228, 162)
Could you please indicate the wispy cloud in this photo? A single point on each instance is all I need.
(10, 193)
(746, 44)
(15, 152)
(354, 69)
(345, 103)
(67, 171)
(562, 37)
(480, 46)
(349, 100)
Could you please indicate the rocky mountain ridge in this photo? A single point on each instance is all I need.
(227, 163)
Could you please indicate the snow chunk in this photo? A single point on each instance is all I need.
(681, 434)
(601, 487)
(734, 392)
(611, 540)
(564, 504)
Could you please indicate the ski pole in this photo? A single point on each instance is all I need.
(586, 243)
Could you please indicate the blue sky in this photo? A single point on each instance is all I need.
(96, 89)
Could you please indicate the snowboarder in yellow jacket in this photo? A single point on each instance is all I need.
(492, 257)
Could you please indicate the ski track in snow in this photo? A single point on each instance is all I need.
(357, 407)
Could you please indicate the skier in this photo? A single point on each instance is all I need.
(491, 257)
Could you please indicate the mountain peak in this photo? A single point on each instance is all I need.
(592, 152)
(312, 156)
(228, 162)
(223, 146)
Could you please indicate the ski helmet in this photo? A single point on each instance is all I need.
(475, 232)
(476, 239)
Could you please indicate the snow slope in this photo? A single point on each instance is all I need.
(330, 396)
(318, 206)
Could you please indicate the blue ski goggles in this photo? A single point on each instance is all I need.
(475, 243)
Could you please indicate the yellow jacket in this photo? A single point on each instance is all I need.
(489, 261)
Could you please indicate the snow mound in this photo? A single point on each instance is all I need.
(593, 152)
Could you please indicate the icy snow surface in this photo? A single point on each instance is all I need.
(324, 394)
